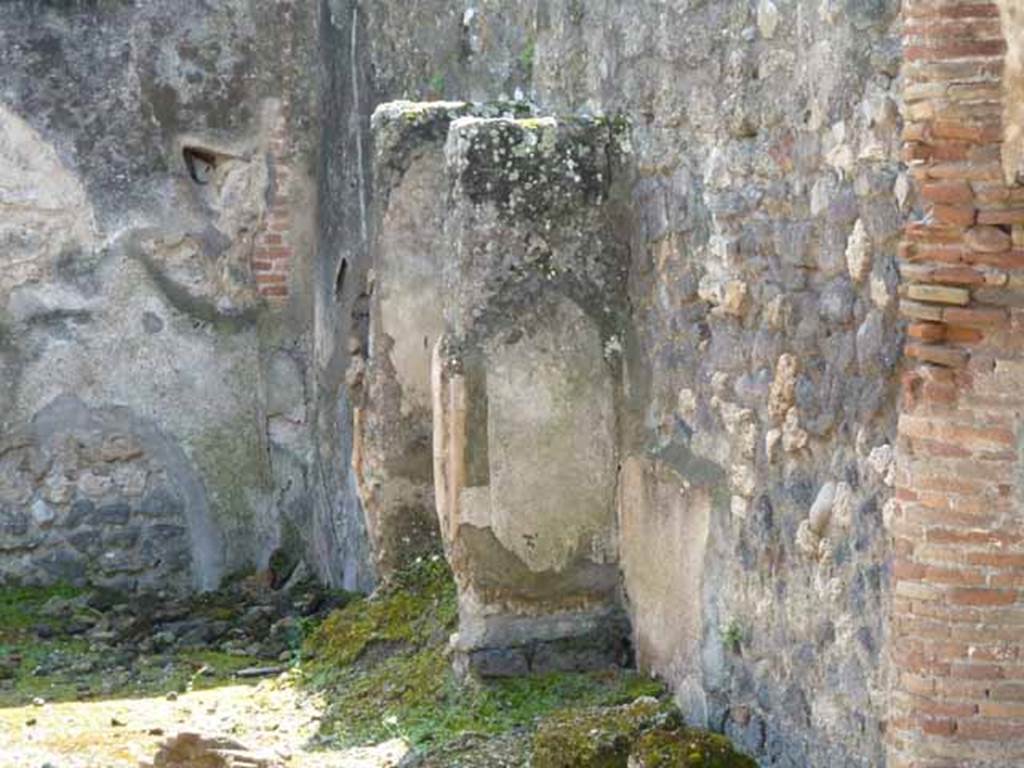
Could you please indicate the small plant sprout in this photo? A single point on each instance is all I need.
(732, 636)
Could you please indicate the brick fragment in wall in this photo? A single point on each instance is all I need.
(272, 254)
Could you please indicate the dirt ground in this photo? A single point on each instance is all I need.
(120, 733)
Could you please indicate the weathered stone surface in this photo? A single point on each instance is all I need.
(525, 387)
(664, 524)
(392, 416)
(134, 249)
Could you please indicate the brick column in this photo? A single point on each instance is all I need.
(957, 620)
(272, 254)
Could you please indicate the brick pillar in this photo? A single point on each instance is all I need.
(272, 254)
(957, 625)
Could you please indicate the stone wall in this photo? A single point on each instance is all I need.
(762, 344)
(210, 335)
(956, 520)
(157, 182)
(97, 496)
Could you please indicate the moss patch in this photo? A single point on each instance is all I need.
(20, 606)
(598, 737)
(687, 748)
(233, 464)
(645, 734)
(527, 57)
(417, 604)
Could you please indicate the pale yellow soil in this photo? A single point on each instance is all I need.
(270, 717)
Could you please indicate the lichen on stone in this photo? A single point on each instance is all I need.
(686, 748)
(645, 734)
(598, 737)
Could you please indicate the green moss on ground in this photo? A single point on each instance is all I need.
(84, 675)
(20, 606)
(68, 668)
(418, 604)
(384, 666)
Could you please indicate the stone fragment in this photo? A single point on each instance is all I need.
(152, 323)
(743, 480)
(807, 540)
(741, 424)
(781, 395)
(821, 510)
(837, 302)
(161, 502)
(62, 565)
(838, 152)
(881, 293)
(250, 672)
(190, 750)
(772, 440)
(721, 383)
(130, 479)
(919, 311)
(767, 18)
(858, 253)
(93, 485)
(870, 338)
(901, 190)
(740, 507)
(793, 437)
(882, 461)
(889, 511)
(727, 297)
(120, 448)
(43, 514)
(842, 506)
(939, 294)
(734, 299)
(776, 313)
(686, 405)
(985, 239)
(112, 514)
(821, 193)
